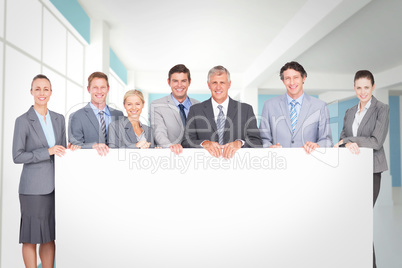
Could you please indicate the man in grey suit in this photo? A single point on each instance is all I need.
(220, 124)
(88, 127)
(295, 119)
(168, 115)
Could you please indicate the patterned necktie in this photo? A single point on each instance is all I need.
(293, 115)
(220, 123)
(182, 114)
(103, 124)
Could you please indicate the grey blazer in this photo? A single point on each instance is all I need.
(371, 133)
(30, 148)
(166, 121)
(240, 124)
(312, 123)
(84, 129)
(122, 135)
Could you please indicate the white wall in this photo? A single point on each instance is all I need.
(33, 39)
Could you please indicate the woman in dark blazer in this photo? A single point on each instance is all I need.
(129, 132)
(366, 125)
(39, 134)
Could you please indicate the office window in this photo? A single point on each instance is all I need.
(24, 26)
(54, 43)
(75, 59)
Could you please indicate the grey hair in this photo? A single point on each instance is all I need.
(219, 70)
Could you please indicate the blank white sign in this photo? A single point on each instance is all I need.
(264, 208)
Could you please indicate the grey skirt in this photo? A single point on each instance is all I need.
(37, 218)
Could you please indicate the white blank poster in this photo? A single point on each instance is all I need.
(264, 208)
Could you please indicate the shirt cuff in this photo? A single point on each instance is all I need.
(242, 142)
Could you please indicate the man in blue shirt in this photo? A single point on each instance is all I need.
(295, 119)
(88, 127)
(168, 115)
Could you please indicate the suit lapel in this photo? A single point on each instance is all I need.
(231, 115)
(56, 127)
(37, 127)
(129, 131)
(350, 117)
(232, 111)
(367, 116)
(173, 109)
(91, 117)
(285, 111)
(209, 114)
(304, 111)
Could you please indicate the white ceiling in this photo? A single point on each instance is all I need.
(254, 38)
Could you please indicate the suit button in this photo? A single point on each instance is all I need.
(293, 141)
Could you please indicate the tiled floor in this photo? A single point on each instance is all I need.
(388, 232)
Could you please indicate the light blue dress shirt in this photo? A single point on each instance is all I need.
(186, 103)
(47, 128)
(299, 102)
(106, 115)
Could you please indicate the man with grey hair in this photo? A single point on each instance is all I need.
(220, 124)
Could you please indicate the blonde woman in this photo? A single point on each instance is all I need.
(129, 132)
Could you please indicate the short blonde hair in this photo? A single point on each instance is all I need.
(133, 92)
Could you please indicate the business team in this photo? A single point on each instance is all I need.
(220, 125)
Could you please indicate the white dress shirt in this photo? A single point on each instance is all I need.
(359, 117)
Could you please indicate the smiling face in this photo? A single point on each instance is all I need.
(41, 91)
(293, 82)
(98, 90)
(364, 90)
(219, 86)
(179, 84)
(133, 105)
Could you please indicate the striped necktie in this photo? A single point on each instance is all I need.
(103, 124)
(220, 124)
(182, 114)
(293, 115)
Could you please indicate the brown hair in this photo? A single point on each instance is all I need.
(41, 76)
(295, 66)
(97, 75)
(180, 68)
(364, 74)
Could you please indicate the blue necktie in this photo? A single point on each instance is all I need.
(182, 114)
(293, 115)
(220, 124)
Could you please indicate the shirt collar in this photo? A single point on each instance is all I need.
(365, 107)
(299, 100)
(96, 110)
(225, 104)
(41, 116)
(186, 102)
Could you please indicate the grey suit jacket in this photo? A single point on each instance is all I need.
(312, 123)
(122, 135)
(84, 129)
(30, 148)
(166, 121)
(371, 133)
(240, 124)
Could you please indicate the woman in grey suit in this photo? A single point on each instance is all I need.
(366, 125)
(129, 132)
(39, 134)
